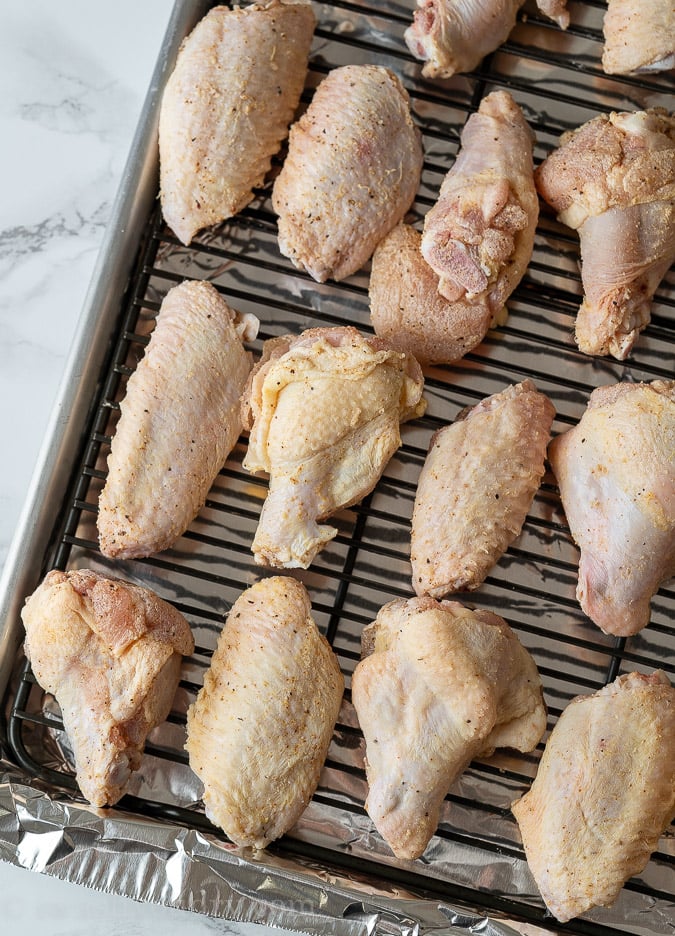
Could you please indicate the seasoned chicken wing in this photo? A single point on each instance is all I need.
(110, 652)
(227, 107)
(613, 180)
(323, 410)
(438, 685)
(616, 474)
(639, 36)
(260, 728)
(352, 171)
(179, 420)
(603, 794)
(479, 235)
(452, 36)
(477, 483)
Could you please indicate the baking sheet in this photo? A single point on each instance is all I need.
(476, 854)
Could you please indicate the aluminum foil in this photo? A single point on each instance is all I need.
(333, 873)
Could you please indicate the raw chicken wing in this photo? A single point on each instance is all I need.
(352, 171)
(227, 107)
(613, 180)
(260, 728)
(179, 420)
(437, 686)
(477, 484)
(616, 474)
(603, 794)
(479, 235)
(639, 36)
(323, 410)
(110, 652)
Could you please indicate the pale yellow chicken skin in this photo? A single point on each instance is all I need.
(603, 794)
(438, 685)
(323, 409)
(476, 486)
(259, 731)
(180, 418)
(227, 108)
(639, 36)
(110, 652)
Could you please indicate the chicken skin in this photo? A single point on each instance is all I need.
(613, 180)
(352, 171)
(323, 410)
(437, 685)
(260, 728)
(453, 36)
(110, 652)
(479, 235)
(476, 486)
(603, 794)
(179, 420)
(227, 107)
(616, 474)
(639, 36)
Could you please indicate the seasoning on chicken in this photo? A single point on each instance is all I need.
(476, 486)
(407, 309)
(260, 728)
(437, 686)
(179, 420)
(110, 652)
(616, 474)
(453, 36)
(613, 180)
(227, 107)
(352, 171)
(323, 410)
(603, 794)
(639, 36)
(479, 235)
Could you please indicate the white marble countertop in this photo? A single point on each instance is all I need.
(73, 78)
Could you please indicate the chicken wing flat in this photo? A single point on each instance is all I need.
(613, 180)
(323, 409)
(453, 36)
(438, 685)
(227, 107)
(479, 235)
(110, 652)
(260, 728)
(476, 486)
(352, 171)
(616, 475)
(639, 36)
(603, 794)
(179, 420)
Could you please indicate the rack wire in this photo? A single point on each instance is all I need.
(556, 77)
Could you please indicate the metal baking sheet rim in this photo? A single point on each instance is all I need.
(107, 850)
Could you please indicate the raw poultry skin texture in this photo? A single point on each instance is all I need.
(616, 475)
(179, 420)
(260, 728)
(639, 36)
(453, 36)
(323, 409)
(613, 180)
(352, 171)
(227, 107)
(477, 483)
(438, 685)
(479, 235)
(603, 794)
(110, 652)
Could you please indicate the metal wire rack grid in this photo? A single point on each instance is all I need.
(557, 79)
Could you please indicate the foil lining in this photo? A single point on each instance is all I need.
(333, 873)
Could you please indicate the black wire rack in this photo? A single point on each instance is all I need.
(557, 79)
